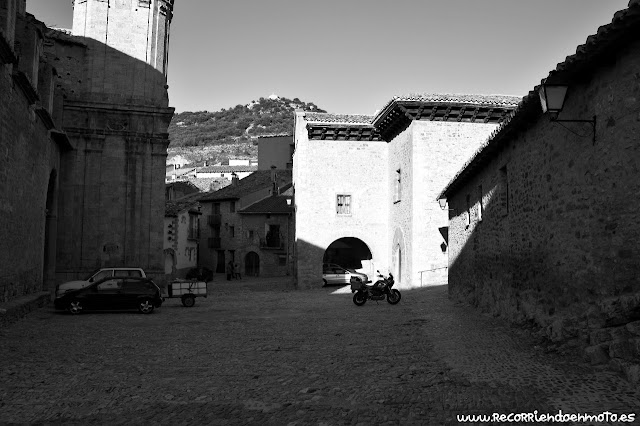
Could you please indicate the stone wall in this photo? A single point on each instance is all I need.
(30, 164)
(439, 150)
(558, 242)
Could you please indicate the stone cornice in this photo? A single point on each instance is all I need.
(155, 137)
(7, 56)
(23, 82)
(118, 107)
(61, 139)
(45, 117)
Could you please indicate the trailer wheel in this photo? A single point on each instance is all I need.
(188, 300)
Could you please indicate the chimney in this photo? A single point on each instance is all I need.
(234, 178)
(274, 181)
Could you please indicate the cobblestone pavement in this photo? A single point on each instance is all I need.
(257, 352)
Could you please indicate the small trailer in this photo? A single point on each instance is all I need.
(187, 290)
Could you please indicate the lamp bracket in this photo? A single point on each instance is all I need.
(593, 124)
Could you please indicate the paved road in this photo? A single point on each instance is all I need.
(259, 353)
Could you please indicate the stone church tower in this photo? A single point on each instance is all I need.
(112, 71)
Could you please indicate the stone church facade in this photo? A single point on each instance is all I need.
(83, 137)
(366, 186)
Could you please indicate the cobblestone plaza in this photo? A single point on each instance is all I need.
(259, 352)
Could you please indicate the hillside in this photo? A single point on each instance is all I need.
(236, 127)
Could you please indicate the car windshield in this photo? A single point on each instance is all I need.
(90, 275)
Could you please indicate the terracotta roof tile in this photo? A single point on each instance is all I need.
(270, 205)
(208, 184)
(256, 181)
(338, 118)
(226, 169)
(175, 207)
(451, 98)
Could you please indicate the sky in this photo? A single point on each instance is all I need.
(352, 56)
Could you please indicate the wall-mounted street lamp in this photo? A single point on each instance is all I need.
(552, 97)
(443, 204)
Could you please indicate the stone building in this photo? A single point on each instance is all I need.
(365, 186)
(83, 140)
(181, 235)
(543, 218)
(234, 230)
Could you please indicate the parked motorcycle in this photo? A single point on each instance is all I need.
(379, 291)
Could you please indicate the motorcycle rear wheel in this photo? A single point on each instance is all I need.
(359, 298)
(394, 297)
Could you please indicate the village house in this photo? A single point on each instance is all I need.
(267, 235)
(232, 231)
(85, 112)
(365, 186)
(181, 232)
(179, 189)
(543, 218)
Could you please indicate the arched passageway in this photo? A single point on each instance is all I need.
(252, 264)
(350, 253)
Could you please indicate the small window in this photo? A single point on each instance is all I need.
(251, 235)
(232, 207)
(216, 208)
(232, 231)
(343, 204)
(282, 260)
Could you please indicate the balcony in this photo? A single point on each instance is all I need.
(275, 242)
(214, 219)
(214, 243)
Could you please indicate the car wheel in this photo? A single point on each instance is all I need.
(75, 307)
(145, 306)
(188, 301)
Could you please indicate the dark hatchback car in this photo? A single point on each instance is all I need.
(113, 293)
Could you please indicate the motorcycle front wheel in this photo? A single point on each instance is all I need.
(393, 297)
(359, 298)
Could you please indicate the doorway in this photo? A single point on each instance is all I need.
(220, 265)
(252, 264)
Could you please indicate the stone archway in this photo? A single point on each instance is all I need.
(50, 233)
(252, 264)
(350, 253)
